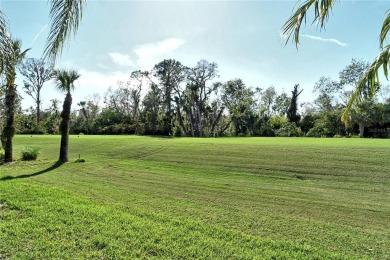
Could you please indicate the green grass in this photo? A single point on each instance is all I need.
(180, 198)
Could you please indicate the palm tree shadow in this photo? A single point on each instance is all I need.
(53, 167)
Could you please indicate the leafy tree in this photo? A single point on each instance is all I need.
(322, 9)
(365, 113)
(292, 113)
(328, 124)
(281, 104)
(351, 74)
(9, 63)
(198, 93)
(65, 83)
(152, 109)
(326, 87)
(170, 73)
(362, 111)
(308, 122)
(238, 99)
(267, 100)
(36, 73)
(53, 118)
(89, 111)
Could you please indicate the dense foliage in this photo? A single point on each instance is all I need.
(175, 100)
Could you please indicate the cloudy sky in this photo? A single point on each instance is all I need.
(243, 37)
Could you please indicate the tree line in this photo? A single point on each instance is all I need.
(176, 100)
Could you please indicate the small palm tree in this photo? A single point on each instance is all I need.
(8, 64)
(65, 83)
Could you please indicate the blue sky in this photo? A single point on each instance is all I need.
(243, 37)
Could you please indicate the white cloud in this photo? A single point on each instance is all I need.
(158, 48)
(97, 82)
(316, 38)
(121, 59)
(150, 53)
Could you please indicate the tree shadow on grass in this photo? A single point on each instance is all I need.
(53, 167)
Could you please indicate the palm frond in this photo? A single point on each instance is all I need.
(385, 29)
(372, 78)
(65, 79)
(4, 42)
(65, 18)
(322, 9)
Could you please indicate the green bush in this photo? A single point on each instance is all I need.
(289, 130)
(30, 153)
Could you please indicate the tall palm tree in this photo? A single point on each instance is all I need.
(9, 62)
(322, 9)
(65, 83)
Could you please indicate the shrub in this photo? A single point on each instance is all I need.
(319, 131)
(289, 130)
(30, 153)
(277, 122)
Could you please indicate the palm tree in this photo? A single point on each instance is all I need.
(322, 9)
(65, 83)
(9, 62)
(65, 18)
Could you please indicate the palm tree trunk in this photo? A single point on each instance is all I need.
(64, 128)
(9, 129)
(361, 130)
(38, 108)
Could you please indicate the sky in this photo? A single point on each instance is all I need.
(242, 37)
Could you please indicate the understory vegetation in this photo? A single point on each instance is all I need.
(214, 198)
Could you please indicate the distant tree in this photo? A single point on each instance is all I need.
(89, 111)
(36, 73)
(292, 113)
(267, 100)
(65, 83)
(350, 76)
(198, 93)
(239, 101)
(352, 73)
(53, 118)
(152, 109)
(365, 113)
(281, 104)
(170, 74)
(326, 88)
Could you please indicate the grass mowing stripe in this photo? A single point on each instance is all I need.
(330, 194)
(68, 227)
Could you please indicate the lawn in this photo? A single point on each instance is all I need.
(181, 198)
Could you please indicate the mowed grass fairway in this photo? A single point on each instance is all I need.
(181, 198)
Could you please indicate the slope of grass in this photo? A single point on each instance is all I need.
(143, 197)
